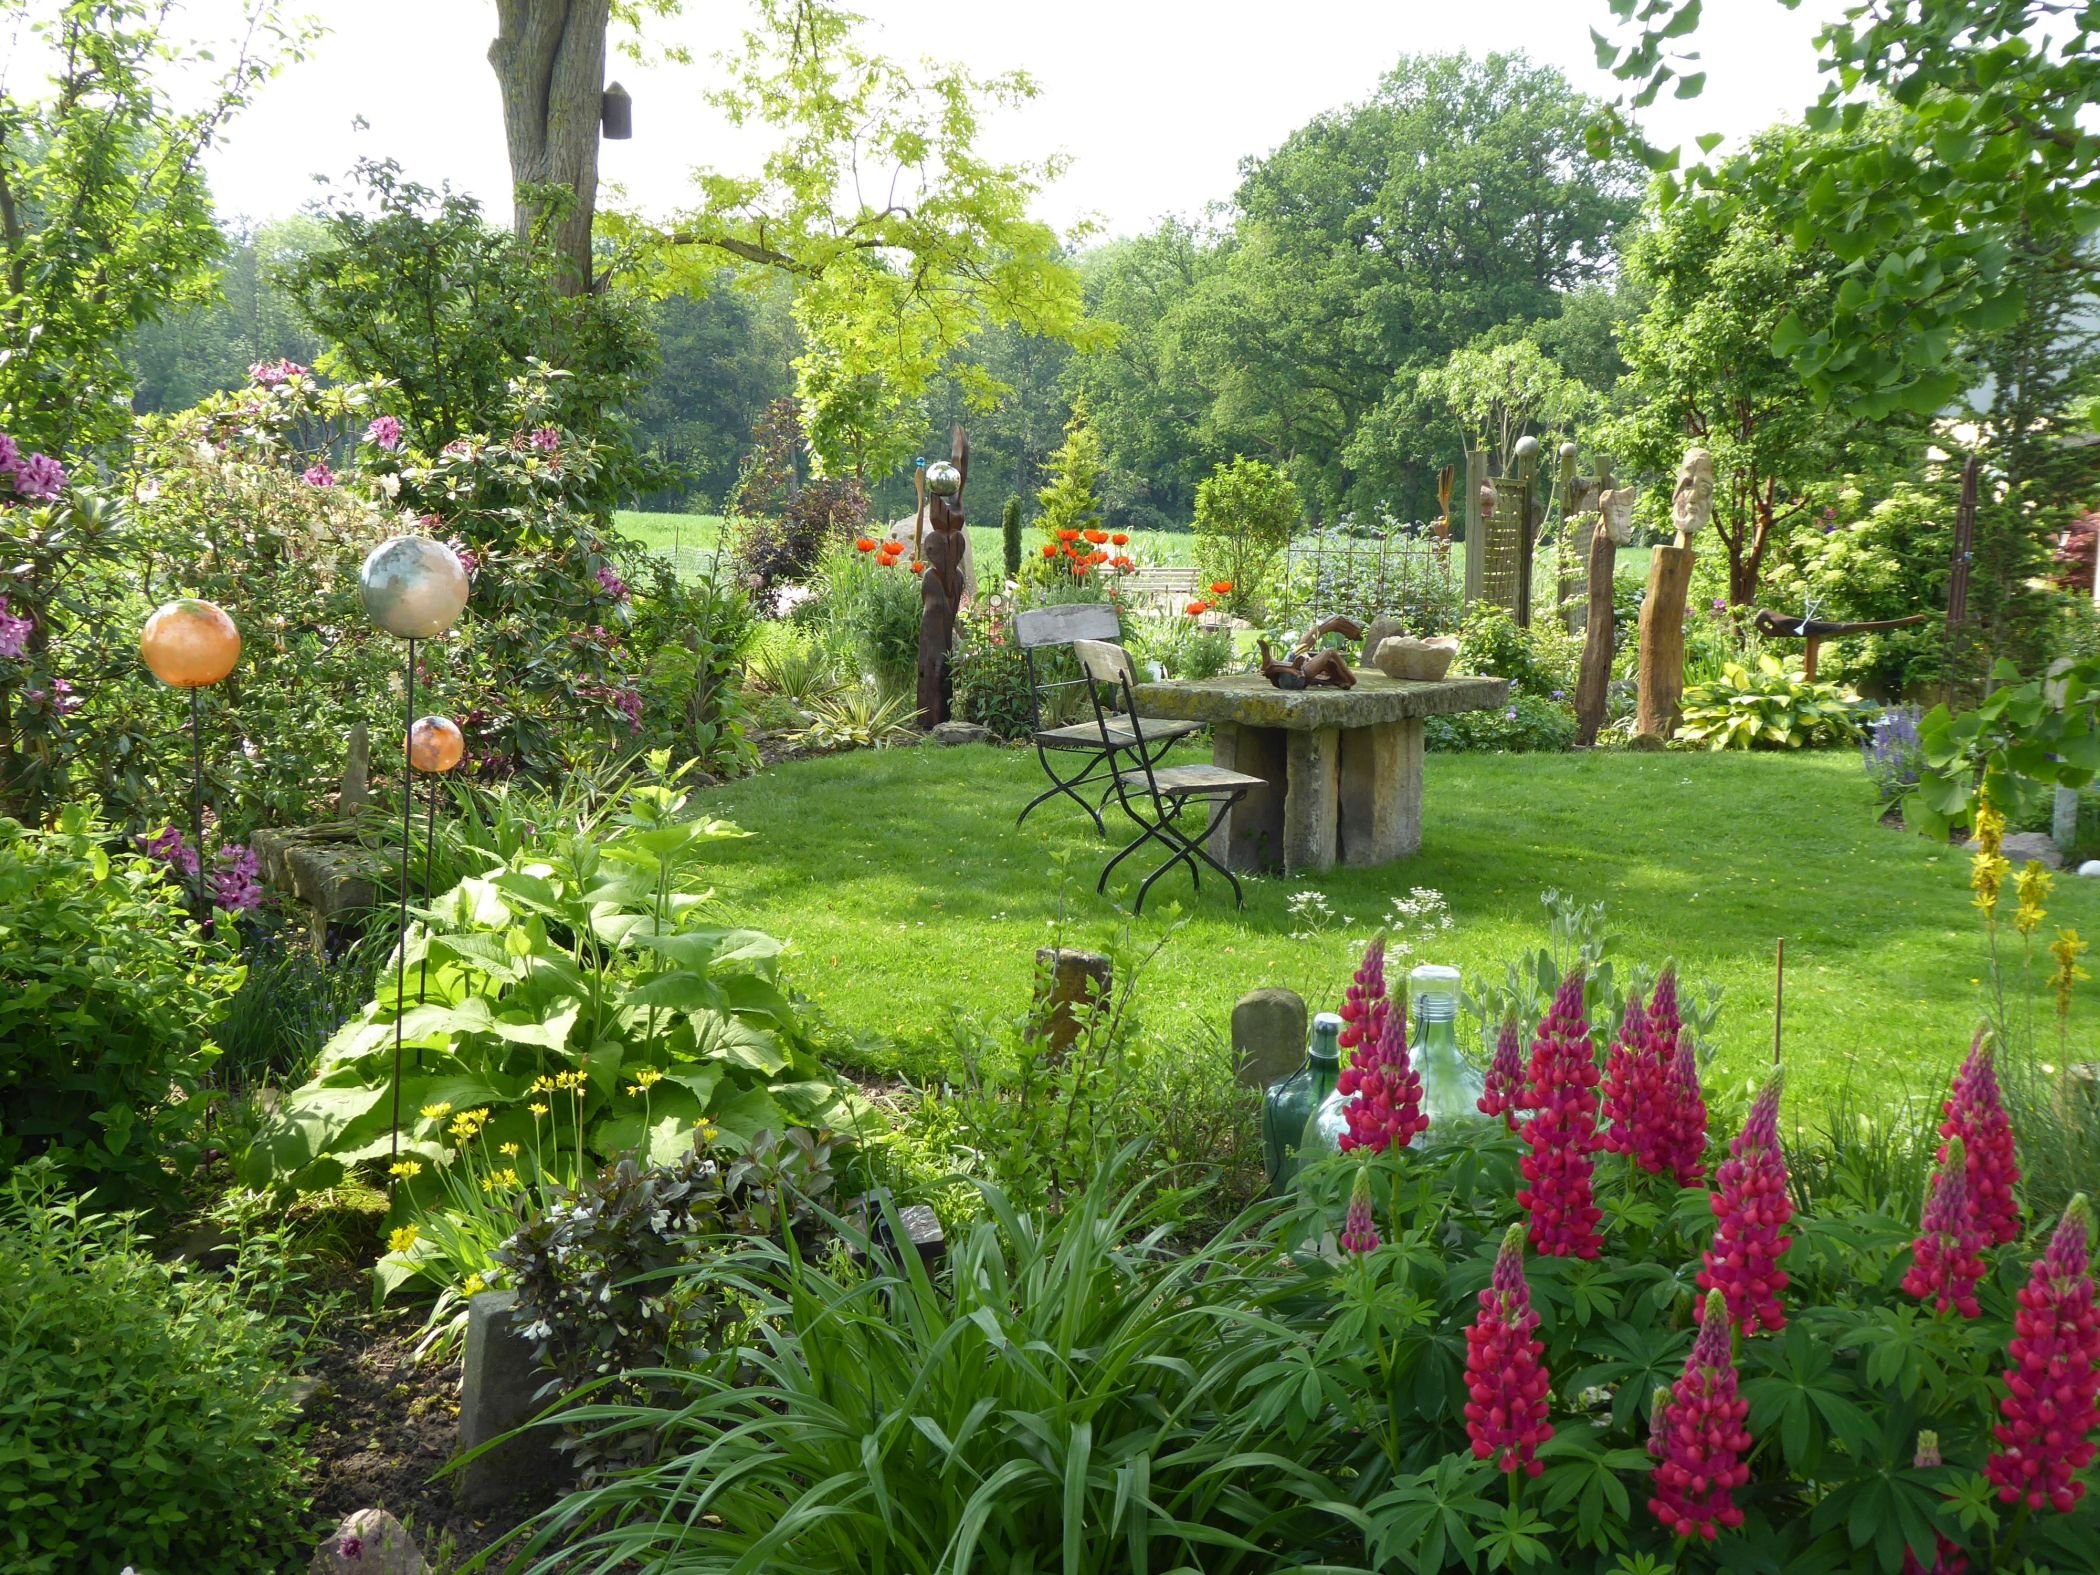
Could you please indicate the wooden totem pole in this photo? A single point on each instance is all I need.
(1592, 683)
(940, 542)
(1662, 614)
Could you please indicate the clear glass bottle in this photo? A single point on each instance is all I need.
(1451, 1085)
(1288, 1107)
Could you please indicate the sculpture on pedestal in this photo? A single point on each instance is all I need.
(1662, 614)
(1614, 528)
(1308, 666)
(941, 543)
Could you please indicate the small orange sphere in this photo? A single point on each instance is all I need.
(190, 644)
(435, 744)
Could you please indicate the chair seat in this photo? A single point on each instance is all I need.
(1087, 735)
(1194, 781)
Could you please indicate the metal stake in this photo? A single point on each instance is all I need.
(1778, 1000)
(408, 805)
(201, 910)
(429, 859)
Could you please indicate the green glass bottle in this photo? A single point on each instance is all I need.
(1287, 1106)
(1451, 1085)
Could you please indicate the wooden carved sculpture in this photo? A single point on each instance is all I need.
(1592, 683)
(941, 541)
(1307, 667)
(1662, 614)
(1778, 626)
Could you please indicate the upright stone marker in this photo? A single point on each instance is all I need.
(1269, 1029)
(1071, 987)
(498, 1391)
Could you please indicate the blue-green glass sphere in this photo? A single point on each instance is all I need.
(413, 587)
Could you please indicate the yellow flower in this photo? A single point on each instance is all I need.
(1987, 874)
(707, 1130)
(2066, 949)
(1989, 827)
(543, 1085)
(573, 1081)
(644, 1080)
(402, 1239)
(436, 1112)
(538, 1110)
(2034, 885)
(405, 1168)
(473, 1285)
(506, 1177)
(510, 1150)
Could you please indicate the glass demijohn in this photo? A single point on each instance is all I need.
(1451, 1085)
(1288, 1106)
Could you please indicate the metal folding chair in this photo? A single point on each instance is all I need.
(1042, 628)
(1152, 795)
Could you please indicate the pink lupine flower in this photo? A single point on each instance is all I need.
(1506, 1381)
(385, 432)
(1946, 1262)
(1364, 1003)
(40, 477)
(1947, 1558)
(547, 439)
(1382, 1089)
(2052, 1403)
(1975, 1113)
(1562, 1132)
(1504, 1094)
(1750, 1213)
(14, 633)
(1633, 1095)
(1359, 1228)
(1697, 1438)
(1684, 1115)
(318, 475)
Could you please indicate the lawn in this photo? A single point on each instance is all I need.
(901, 880)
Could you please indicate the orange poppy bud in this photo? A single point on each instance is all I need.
(917, 567)
(864, 544)
(1121, 538)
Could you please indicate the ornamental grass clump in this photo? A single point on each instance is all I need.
(2052, 1404)
(1562, 1134)
(1382, 1089)
(1507, 1385)
(1697, 1437)
(1947, 1261)
(1751, 1210)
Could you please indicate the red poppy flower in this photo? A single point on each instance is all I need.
(1049, 549)
(864, 544)
(1097, 537)
(1198, 609)
(917, 567)
(1079, 567)
(1068, 535)
(1097, 556)
(1221, 587)
(1122, 561)
(1121, 538)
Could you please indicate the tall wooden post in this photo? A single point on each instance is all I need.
(1593, 681)
(1476, 521)
(1662, 645)
(1527, 467)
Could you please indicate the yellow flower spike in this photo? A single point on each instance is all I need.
(402, 1239)
(543, 1085)
(2066, 949)
(1989, 827)
(648, 1077)
(497, 1179)
(405, 1168)
(2033, 884)
(1987, 874)
(508, 1150)
(436, 1112)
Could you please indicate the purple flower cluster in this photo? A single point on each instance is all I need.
(1891, 751)
(547, 439)
(609, 581)
(318, 475)
(173, 850)
(14, 633)
(1359, 1227)
(385, 431)
(57, 697)
(236, 884)
(271, 373)
(37, 477)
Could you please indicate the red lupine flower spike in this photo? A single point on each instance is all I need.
(1383, 1090)
(1360, 1227)
(1751, 1210)
(1504, 1093)
(1697, 1438)
(1632, 1088)
(1975, 1113)
(1562, 1132)
(1947, 1258)
(1365, 998)
(1684, 1115)
(1506, 1381)
(2052, 1403)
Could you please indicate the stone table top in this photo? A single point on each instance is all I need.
(1250, 700)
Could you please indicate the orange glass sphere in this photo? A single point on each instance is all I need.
(435, 744)
(190, 644)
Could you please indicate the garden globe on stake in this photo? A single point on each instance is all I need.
(416, 588)
(435, 746)
(192, 644)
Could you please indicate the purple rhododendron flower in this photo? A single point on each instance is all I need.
(41, 477)
(318, 476)
(384, 431)
(610, 582)
(547, 439)
(235, 886)
(172, 849)
(58, 698)
(10, 456)
(271, 373)
(14, 633)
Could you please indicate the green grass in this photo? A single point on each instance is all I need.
(902, 882)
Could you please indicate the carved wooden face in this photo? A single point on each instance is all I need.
(1616, 507)
(1692, 505)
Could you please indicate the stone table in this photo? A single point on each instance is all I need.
(1343, 766)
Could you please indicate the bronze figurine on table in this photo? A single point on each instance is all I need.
(1308, 667)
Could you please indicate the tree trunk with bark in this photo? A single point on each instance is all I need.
(549, 60)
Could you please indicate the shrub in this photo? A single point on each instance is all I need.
(782, 526)
(697, 635)
(1493, 644)
(1010, 537)
(145, 1416)
(1245, 513)
(991, 675)
(1526, 725)
(1181, 645)
(107, 996)
(873, 613)
(1859, 562)
(1771, 708)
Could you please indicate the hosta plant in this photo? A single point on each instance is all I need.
(1773, 707)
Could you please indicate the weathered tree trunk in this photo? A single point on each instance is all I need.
(1593, 681)
(549, 60)
(1662, 645)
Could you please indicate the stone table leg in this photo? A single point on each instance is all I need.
(1380, 792)
(1251, 835)
(1311, 815)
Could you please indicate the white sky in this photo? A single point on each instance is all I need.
(1155, 101)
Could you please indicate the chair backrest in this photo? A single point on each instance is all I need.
(1040, 626)
(1110, 667)
(1104, 663)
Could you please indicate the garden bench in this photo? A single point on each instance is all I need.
(1170, 590)
(1041, 628)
